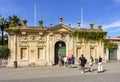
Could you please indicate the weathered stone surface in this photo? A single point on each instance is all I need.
(36, 47)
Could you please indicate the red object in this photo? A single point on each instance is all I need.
(69, 56)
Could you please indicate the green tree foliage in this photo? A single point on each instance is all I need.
(4, 52)
(110, 46)
(3, 24)
(14, 21)
(5, 42)
(0, 40)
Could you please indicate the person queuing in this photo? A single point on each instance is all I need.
(82, 63)
(65, 61)
(60, 61)
(91, 64)
(72, 61)
(100, 67)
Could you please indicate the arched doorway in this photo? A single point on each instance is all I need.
(60, 50)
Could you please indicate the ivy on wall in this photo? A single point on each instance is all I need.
(88, 36)
(4, 52)
(94, 36)
(110, 46)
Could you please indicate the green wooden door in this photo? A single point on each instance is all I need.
(60, 50)
(113, 54)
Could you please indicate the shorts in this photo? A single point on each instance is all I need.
(82, 65)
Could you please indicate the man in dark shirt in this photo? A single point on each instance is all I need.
(82, 63)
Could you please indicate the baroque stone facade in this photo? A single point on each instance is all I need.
(42, 46)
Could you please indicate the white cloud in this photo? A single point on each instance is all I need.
(111, 25)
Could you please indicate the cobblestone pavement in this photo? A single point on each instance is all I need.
(60, 74)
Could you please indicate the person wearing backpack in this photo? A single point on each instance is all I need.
(83, 61)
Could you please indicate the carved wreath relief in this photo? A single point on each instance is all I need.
(62, 37)
(40, 40)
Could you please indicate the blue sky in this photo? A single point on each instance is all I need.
(100, 12)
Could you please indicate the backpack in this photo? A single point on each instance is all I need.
(85, 60)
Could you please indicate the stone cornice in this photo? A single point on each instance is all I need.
(53, 29)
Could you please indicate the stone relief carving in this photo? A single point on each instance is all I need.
(51, 38)
(92, 45)
(79, 40)
(41, 39)
(22, 38)
(60, 37)
(23, 44)
(41, 44)
(32, 38)
(79, 45)
(71, 38)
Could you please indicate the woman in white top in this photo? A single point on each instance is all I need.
(65, 61)
(91, 63)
